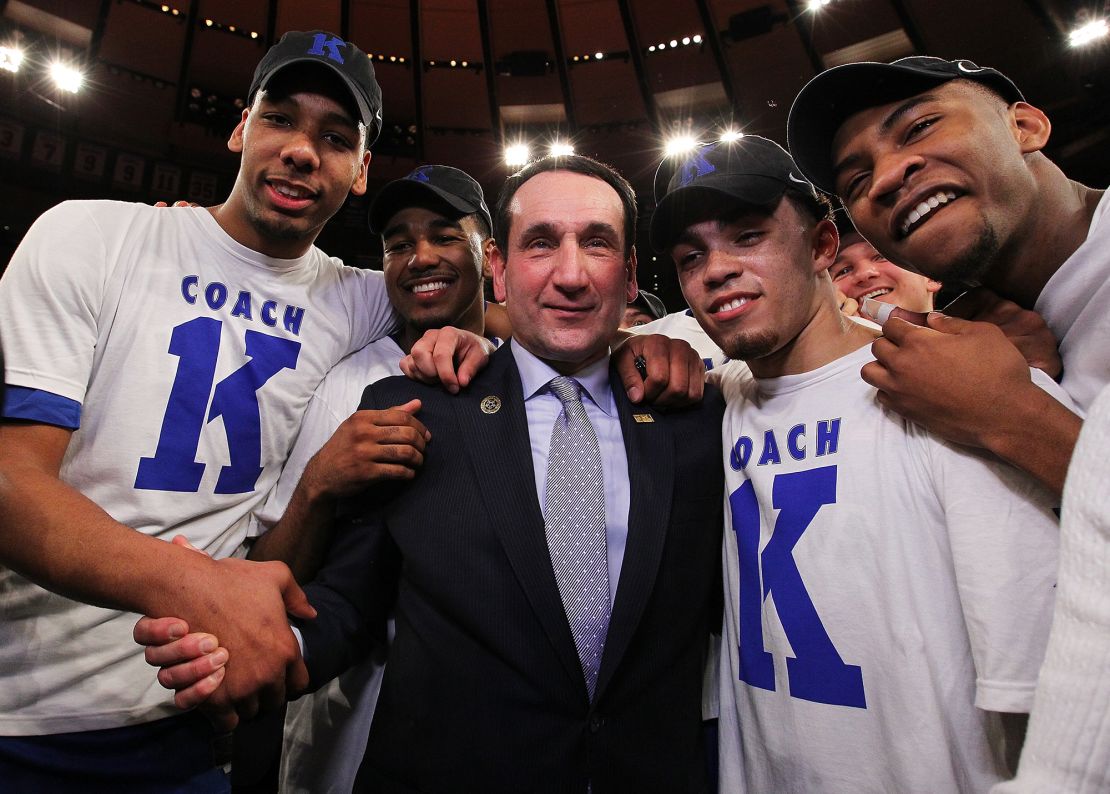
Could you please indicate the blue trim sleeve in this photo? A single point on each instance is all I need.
(36, 405)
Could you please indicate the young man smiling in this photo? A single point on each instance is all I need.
(158, 366)
(941, 165)
(884, 590)
(859, 273)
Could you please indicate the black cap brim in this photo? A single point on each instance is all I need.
(834, 96)
(408, 193)
(687, 205)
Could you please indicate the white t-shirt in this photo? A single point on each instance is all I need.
(1075, 303)
(193, 359)
(1067, 748)
(326, 731)
(905, 590)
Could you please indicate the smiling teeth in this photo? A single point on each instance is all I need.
(875, 293)
(925, 207)
(732, 304)
(429, 287)
(291, 192)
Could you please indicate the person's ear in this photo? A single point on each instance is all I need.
(359, 187)
(825, 241)
(235, 142)
(1031, 126)
(487, 251)
(632, 289)
(497, 266)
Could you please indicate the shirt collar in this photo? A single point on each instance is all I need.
(535, 374)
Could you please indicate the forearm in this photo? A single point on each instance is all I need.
(66, 543)
(1037, 434)
(301, 538)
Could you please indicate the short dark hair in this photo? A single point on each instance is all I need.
(576, 164)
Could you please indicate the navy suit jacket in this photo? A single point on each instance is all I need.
(483, 690)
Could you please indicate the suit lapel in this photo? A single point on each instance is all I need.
(650, 451)
(498, 444)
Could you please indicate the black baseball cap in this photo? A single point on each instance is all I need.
(830, 98)
(347, 61)
(752, 169)
(649, 303)
(453, 192)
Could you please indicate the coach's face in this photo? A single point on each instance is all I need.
(565, 278)
(302, 154)
(939, 182)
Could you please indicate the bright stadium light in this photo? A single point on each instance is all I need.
(817, 5)
(517, 154)
(728, 136)
(561, 149)
(10, 58)
(1091, 31)
(680, 145)
(66, 77)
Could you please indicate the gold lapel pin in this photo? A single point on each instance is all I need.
(490, 405)
(643, 419)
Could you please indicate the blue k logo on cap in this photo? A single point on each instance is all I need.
(694, 167)
(321, 40)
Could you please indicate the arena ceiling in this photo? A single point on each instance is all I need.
(462, 79)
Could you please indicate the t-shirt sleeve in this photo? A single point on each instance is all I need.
(374, 316)
(50, 301)
(1004, 538)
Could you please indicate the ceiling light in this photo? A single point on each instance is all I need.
(697, 39)
(463, 64)
(728, 136)
(599, 55)
(66, 77)
(661, 46)
(560, 149)
(10, 58)
(254, 34)
(674, 42)
(817, 5)
(680, 145)
(1085, 34)
(685, 39)
(651, 48)
(517, 154)
(208, 22)
(454, 62)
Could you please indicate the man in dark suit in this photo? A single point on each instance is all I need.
(490, 686)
